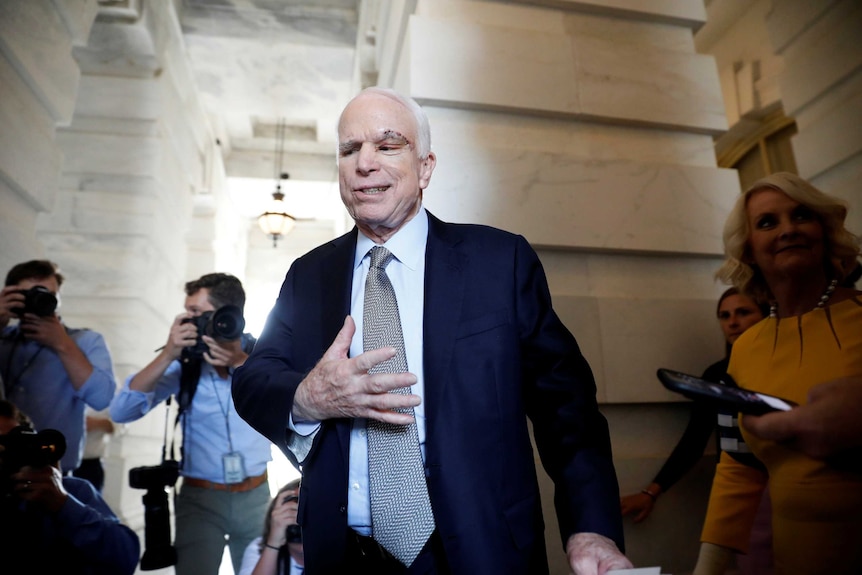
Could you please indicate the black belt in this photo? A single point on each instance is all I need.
(365, 556)
(367, 547)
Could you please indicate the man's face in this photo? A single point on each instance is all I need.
(199, 302)
(380, 175)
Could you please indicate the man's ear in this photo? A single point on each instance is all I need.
(426, 168)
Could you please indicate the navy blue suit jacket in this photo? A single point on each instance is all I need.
(494, 352)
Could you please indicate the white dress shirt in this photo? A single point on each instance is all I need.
(406, 272)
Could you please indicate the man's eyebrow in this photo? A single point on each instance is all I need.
(393, 136)
(348, 146)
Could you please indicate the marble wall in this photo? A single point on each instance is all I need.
(821, 87)
(39, 81)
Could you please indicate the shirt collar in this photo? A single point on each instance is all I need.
(407, 245)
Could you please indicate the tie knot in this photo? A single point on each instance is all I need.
(380, 257)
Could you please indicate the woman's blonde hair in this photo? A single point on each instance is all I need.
(841, 246)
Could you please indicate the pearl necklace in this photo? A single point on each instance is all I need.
(773, 307)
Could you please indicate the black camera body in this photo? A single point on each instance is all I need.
(293, 533)
(155, 476)
(158, 549)
(224, 324)
(38, 300)
(25, 447)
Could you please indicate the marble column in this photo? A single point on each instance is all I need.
(138, 209)
(587, 127)
(39, 81)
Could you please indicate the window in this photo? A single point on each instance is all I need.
(758, 147)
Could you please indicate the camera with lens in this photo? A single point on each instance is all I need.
(224, 324)
(24, 447)
(156, 479)
(38, 300)
(293, 533)
(155, 476)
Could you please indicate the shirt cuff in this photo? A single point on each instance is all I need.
(301, 437)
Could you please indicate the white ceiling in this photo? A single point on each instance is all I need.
(256, 61)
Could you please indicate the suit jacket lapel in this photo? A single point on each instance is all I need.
(444, 294)
(335, 287)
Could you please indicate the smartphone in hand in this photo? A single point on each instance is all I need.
(727, 395)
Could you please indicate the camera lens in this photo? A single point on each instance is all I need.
(227, 323)
(41, 301)
(38, 300)
(294, 534)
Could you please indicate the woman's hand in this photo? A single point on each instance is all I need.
(640, 504)
(283, 515)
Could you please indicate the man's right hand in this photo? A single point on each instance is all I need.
(10, 298)
(340, 386)
(181, 335)
(826, 426)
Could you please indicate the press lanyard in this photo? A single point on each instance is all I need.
(225, 409)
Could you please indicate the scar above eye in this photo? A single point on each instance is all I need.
(394, 137)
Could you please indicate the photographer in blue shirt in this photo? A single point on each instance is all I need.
(51, 372)
(224, 490)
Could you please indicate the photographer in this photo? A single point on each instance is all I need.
(54, 524)
(224, 490)
(279, 550)
(49, 371)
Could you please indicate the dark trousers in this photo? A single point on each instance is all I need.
(92, 471)
(366, 557)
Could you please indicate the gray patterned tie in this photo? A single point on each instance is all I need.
(401, 514)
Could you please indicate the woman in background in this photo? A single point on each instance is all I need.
(736, 313)
(279, 550)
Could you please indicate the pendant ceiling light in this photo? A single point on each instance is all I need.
(275, 221)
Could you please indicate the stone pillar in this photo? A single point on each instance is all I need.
(821, 86)
(139, 208)
(587, 127)
(38, 86)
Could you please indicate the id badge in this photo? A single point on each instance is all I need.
(234, 467)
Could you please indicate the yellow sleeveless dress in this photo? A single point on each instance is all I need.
(817, 509)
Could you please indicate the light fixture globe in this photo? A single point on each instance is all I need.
(275, 221)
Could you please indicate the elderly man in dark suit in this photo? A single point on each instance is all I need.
(397, 370)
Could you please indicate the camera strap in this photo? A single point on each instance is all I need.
(9, 382)
(190, 374)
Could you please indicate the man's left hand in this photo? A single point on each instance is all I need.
(594, 554)
(47, 331)
(225, 353)
(41, 486)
